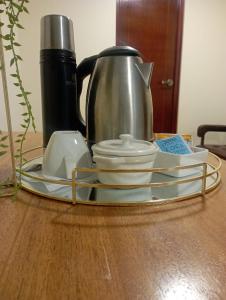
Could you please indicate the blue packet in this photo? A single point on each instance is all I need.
(175, 144)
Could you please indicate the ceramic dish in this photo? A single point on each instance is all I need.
(171, 160)
(125, 153)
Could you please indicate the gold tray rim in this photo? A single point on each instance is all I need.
(73, 183)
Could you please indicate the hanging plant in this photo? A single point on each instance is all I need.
(3, 144)
(10, 13)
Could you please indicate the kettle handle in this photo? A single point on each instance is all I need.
(84, 69)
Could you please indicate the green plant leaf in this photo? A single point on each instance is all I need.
(2, 152)
(19, 26)
(12, 61)
(17, 141)
(1, 24)
(22, 125)
(16, 84)
(3, 138)
(12, 18)
(25, 114)
(8, 47)
(4, 146)
(21, 134)
(19, 57)
(19, 95)
(6, 37)
(25, 9)
(16, 44)
(17, 6)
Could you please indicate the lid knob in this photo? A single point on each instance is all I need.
(126, 139)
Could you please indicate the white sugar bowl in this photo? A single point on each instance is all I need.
(124, 153)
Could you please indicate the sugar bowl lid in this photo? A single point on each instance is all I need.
(126, 145)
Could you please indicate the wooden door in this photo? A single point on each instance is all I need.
(154, 27)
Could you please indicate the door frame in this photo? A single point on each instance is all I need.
(177, 62)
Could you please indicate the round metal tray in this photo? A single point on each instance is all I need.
(161, 190)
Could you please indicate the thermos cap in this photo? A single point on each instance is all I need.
(57, 33)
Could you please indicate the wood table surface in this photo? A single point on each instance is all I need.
(54, 250)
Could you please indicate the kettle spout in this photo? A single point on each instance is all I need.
(145, 70)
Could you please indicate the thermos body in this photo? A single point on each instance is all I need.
(58, 85)
(58, 75)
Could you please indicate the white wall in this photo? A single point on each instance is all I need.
(94, 30)
(203, 70)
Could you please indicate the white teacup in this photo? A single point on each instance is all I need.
(65, 151)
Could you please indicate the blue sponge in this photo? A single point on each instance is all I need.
(175, 144)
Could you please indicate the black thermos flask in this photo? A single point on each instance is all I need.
(58, 76)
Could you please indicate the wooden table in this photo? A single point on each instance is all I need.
(53, 250)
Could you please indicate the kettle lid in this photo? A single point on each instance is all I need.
(119, 51)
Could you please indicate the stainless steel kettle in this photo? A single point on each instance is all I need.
(118, 98)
